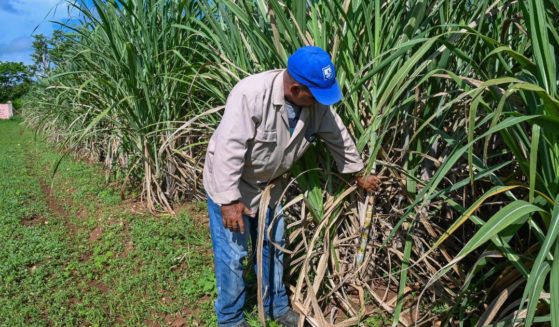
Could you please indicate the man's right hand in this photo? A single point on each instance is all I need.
(232, 214)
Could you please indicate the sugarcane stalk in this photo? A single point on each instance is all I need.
(262, 213)
(365, 230)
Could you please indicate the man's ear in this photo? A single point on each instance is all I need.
(295, 89)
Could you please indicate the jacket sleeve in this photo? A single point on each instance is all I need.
(236, 128)
(336, 136)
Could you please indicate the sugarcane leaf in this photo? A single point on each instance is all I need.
(543, 253)
(502, 219)
(522, 60)
(403, 278)
(508, 215)
(536, 289)
(534, 159)
(469, 212)
(554, 285)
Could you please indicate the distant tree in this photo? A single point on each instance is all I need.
(59, 44)
(40, 56)
(15, 80)
(49, 52)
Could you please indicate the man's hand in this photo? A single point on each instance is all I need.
(232, 214)
(368, 183)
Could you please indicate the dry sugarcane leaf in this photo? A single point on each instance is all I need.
(308, 256)
(493, 308)
(348, 323)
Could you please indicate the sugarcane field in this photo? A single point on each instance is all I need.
(324, 163)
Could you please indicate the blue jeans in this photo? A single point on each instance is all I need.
(230, 248)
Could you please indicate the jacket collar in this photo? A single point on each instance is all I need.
(278, 99)
(279, 103)
(277, 90)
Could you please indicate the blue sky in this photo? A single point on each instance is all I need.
(20, 19)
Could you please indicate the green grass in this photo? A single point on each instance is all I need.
(81, 257)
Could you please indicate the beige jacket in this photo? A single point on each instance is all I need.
(252, 144)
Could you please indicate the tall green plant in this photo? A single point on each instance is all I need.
(531, 91)
(387, 55)
(125, 88)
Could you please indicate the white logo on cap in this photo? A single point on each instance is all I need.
(327, 72)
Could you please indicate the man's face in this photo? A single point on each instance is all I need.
(301, 96)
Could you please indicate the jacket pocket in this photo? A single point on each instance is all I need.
(265, 142)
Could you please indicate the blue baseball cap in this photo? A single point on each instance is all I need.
(312, 67)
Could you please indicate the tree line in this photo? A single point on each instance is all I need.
(17, 78)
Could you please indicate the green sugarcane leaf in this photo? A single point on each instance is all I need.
(534, 160)
(501, 220)
(458, 153)
(403, 277)
(543, 253)
(535, 291)
(554, 282)
(498, 222)
(523, 60)
(469, 212)
(471, 128)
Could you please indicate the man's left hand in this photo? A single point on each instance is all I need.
(368, 183)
